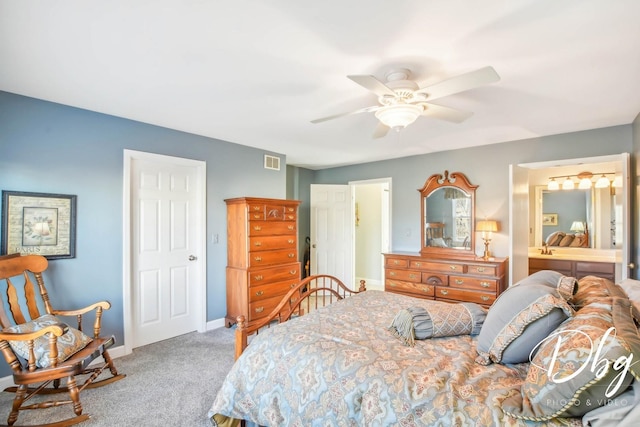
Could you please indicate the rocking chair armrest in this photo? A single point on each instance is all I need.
(98, 307)
(57, 329)
(103, 305)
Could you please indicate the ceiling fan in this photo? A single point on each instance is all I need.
(402, 101)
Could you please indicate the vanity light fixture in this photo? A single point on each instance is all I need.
(568, 184)
(585, 181)
(603, 182)
(486, 227)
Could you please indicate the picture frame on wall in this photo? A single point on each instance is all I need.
(550, 219)
(38, 224)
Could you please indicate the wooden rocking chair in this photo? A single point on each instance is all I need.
(42, 350)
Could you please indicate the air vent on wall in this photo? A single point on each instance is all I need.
(271, 162)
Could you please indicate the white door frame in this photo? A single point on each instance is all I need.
(386, 217)
(201, 225)
(520, 234)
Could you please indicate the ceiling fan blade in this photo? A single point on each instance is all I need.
(335, 116)
(373, 84)
(467, 81)
(445, 113)
(380, 131)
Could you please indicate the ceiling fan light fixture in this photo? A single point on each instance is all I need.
(399, 116)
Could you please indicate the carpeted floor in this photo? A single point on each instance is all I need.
(170, 383)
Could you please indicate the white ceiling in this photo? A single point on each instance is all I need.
(256, 72)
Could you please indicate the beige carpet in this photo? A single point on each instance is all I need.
(170, 383)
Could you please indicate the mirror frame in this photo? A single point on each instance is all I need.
(434, 182)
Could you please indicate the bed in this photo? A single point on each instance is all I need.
(350, 364)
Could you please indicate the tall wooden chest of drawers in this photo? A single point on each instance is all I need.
(453, 280)
(262, 255)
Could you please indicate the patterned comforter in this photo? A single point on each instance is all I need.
(341, 366)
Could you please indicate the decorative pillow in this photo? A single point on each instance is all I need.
(518, 320)
(593, 288)
(578, 241)
(632, 288)
(437, 320)
(542, 277)
(68, 344)
(566, 240)
(585, 363)
(554, 238)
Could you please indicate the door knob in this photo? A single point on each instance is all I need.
(192, 257)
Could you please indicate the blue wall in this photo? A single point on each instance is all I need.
(486, 166)
(46, 147)
(50, 148)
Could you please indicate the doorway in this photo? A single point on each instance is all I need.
(372, 230)
(164, 253)
(350, 230)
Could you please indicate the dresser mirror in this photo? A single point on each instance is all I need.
(447, 204)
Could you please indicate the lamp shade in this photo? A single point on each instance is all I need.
(577, 226)
(553, 185)
(487, 225)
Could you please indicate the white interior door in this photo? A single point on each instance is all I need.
(167, 248)
(519, 223)
(332, 231)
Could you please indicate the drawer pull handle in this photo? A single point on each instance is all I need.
(444, 291)
(396, 262)
(459, 281)
(453, 267)
(413, 276)
(293, 271)
(258, 244)
(392, 273)
(258, 258)
(292, 216)
(290, 241)
(258, 277)
(259, 309)
(256, 216)
(259, 293)
(484, 298)
(480, 269)
(484, 284)
(393, 285)
(257, 228)
(292, 255)
(418, 264)
(256, 208)
(290, 227)
(426, 289)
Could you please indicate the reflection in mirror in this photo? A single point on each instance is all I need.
(448, 215)
(567, 218)
(448, 220)
(557, 214)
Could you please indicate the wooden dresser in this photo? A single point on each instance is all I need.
(262, 255)
(574, 268)
(453, 280)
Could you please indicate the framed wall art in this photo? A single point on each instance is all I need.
(550, 219)
(39, 223)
